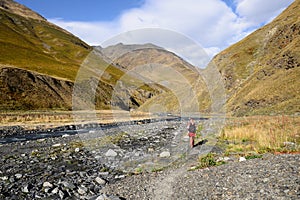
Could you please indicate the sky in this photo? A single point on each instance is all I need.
(211, 25)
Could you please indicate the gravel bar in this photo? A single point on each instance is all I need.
(271, 177)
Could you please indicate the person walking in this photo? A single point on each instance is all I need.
(191, 132)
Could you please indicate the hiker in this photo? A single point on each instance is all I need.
(192, 131)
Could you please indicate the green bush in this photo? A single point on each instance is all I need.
(209, 160)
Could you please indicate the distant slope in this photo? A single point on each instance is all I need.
(262, 72)
(120, 49)
(186, 88)
(39, 63)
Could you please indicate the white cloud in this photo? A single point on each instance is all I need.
(210, 23)
(256, 11)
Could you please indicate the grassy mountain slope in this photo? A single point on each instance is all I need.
(39, 63)
(37, 45)
(262, 72)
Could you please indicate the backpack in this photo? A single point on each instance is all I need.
(192, 128)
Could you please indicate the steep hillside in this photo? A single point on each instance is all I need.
(186, 88)
(262, 72)
(30, 42)
(39, 59)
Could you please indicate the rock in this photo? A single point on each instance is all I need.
(164, 154)
(103, 173)
(82, 190)
(100, 181)
(55, 190)
(242, 159)
(25, 189)
(12, 179)
(105, 197)
(77, 150)
(65, 135)
(120, 176)
(111, 153)
(225, 159)
(4, 178)
(82, 174)
(56, 145)
(18, 176)
(68, 185)
(62, 194)
(47, 185)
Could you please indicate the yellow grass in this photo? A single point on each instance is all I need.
(263, 133)
(40, 119)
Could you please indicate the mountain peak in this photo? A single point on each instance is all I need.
(18, 9)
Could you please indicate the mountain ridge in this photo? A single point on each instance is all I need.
(261, 72)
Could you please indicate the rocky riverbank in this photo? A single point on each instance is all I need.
(136, 160)
(78, 166)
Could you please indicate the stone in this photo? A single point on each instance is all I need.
(68, 185)
(62, 194)
(25, 189)
(65, 135)
(164, 154)
(111, 153)
(105, 197)
(47, 184)
(103, 173)
(82, 190)
(18, 176)
(56, 145)
(100, 181)
(77, 150)
(225, 159)
(55, 190)
(120, 176)
(242, 159)
(102, 197)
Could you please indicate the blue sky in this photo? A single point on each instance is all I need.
(212, 24)
(81, 10)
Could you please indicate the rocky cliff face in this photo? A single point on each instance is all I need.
(261, 73)
(21, 89)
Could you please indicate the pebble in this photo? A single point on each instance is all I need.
(111, 153)
(47, 184)
(100, 181)
(56, 145)
(242, 159)
(164, 154)
(18, 176)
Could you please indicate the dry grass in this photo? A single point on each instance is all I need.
(40, 119)
(263, 134)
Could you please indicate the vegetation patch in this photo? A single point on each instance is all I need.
(208, 160)
(262, 134)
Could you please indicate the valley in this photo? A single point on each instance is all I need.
(89, 122)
